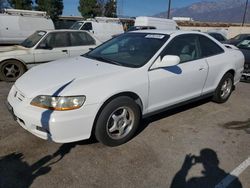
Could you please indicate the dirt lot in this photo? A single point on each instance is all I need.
(154, 158)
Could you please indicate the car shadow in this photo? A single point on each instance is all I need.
(147, 121)
(46, 115)
(16, 172)
(212, 175)
(245, 80)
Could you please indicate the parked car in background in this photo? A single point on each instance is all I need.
(237, 39)
(136, 28)
(17, 25)
(218, 36)
(65, 22)
(244, 46)
(221, 31)
(158, 23)
(42, 47)
(106, 91)
(101, 28)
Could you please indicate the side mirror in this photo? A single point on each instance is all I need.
(45, 46)
(167, 61)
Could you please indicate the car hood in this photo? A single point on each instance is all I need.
(53, 77)
(13, 50)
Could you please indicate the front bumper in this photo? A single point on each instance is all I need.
(57, 126)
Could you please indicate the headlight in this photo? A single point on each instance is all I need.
(58, 103)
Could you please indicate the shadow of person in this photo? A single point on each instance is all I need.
(16, 172)
(212, 174)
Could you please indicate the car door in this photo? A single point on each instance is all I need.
(54, 46)
(80, 43)
(185, 81)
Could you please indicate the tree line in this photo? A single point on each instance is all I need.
(54, 8)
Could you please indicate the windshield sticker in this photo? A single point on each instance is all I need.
(41, 33)
(154, 36)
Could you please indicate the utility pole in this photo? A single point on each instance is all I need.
(245, 12)
(169, 8)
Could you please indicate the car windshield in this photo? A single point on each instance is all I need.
(239, 37)
(130, 49)
(76, 26)
(32, 40)
(245, 44)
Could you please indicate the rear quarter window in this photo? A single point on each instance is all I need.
(209, 47)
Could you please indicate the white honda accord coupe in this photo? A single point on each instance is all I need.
(107, 91)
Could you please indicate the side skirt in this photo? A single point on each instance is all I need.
(178, 105)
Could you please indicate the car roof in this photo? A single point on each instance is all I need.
(167, 32)
(63, 30)
(214, 33)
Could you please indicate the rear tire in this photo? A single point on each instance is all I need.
(117, 122)
(11, 70)
(224, 89)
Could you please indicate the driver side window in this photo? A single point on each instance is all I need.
(55, 40)
(184, 46)
(46, 43)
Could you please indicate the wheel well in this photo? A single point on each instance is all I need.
(132, 95)
(231, 71)
(26, 68)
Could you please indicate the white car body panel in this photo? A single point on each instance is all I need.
(42, 55)
(158, 23)
(15, 28)
(183, 82)
(75, 50)
(19, 53)
(103, 31)
(99, 81)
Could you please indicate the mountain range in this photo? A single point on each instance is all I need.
(230, 11)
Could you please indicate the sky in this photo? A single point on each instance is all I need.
(132, 7)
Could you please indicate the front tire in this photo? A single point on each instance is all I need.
(224, 89)
(11, 70)
(118, 121)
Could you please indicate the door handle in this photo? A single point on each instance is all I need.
(201, 69)
(66, 51)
